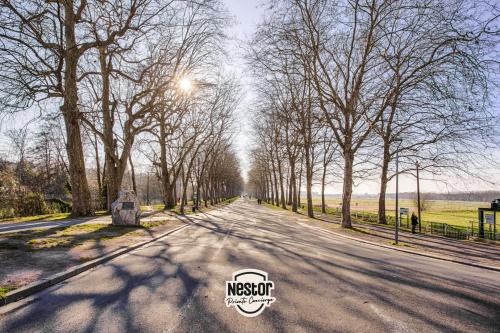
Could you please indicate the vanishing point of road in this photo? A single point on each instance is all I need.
(323, 283)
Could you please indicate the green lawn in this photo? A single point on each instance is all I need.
(155, 207)
(41, 239)
(5, 289)
(62, 216)
(46, 217)
(443, 211)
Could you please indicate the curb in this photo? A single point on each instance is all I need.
(37, 286)
(428, 255)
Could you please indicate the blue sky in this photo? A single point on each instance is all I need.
(247, 15)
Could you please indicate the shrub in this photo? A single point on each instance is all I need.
(32, 203)
(59, 205)
(8, 193)
(7, 212)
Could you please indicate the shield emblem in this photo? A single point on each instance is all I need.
(252, 276)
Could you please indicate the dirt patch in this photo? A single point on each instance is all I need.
(20, 267)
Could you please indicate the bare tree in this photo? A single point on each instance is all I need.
(377, 61)
(437, 80)
(42, 44)
(19, 142)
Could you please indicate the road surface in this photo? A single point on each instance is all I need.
(323, 283)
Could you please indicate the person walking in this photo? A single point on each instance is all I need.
(414, 222)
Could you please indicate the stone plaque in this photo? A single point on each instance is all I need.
(128, 205)
(125, 210)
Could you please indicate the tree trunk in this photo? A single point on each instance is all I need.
(168, 185)
(116, 172)
(80, 192)
(266, 188)
(168, 191)
(347, 189)
(293, 183)
(174, 192)
(210, 191)
(282, 188)
(132, 172)
(169, 196)
(290, 191)
(112, 187)
(271, 185)
(112, 184)
(184, 196)
(198, 194)
(205, 194)
(276, 189)
(382, 218)
(309, 173)
(98, 165)
(323, 179)
(116, 163)
(104, 193)
(300, 185)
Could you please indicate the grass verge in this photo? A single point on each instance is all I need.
(64, 216)
(45, 217)
(4, 289)
(40, 239)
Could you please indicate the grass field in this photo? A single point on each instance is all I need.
(451, 212)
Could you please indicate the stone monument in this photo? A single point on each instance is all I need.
(126, 209)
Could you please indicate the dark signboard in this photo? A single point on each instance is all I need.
(128, 205)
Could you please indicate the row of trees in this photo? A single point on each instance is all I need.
(346, 86)
(130, 79)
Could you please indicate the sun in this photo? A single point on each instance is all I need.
(185, 85)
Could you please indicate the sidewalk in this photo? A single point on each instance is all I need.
(469, 251)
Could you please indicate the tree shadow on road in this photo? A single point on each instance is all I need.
(320, 281)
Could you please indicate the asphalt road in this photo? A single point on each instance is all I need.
(323, 283)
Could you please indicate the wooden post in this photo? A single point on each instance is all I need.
(494, 225)
(418, 201)
(480, 223)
